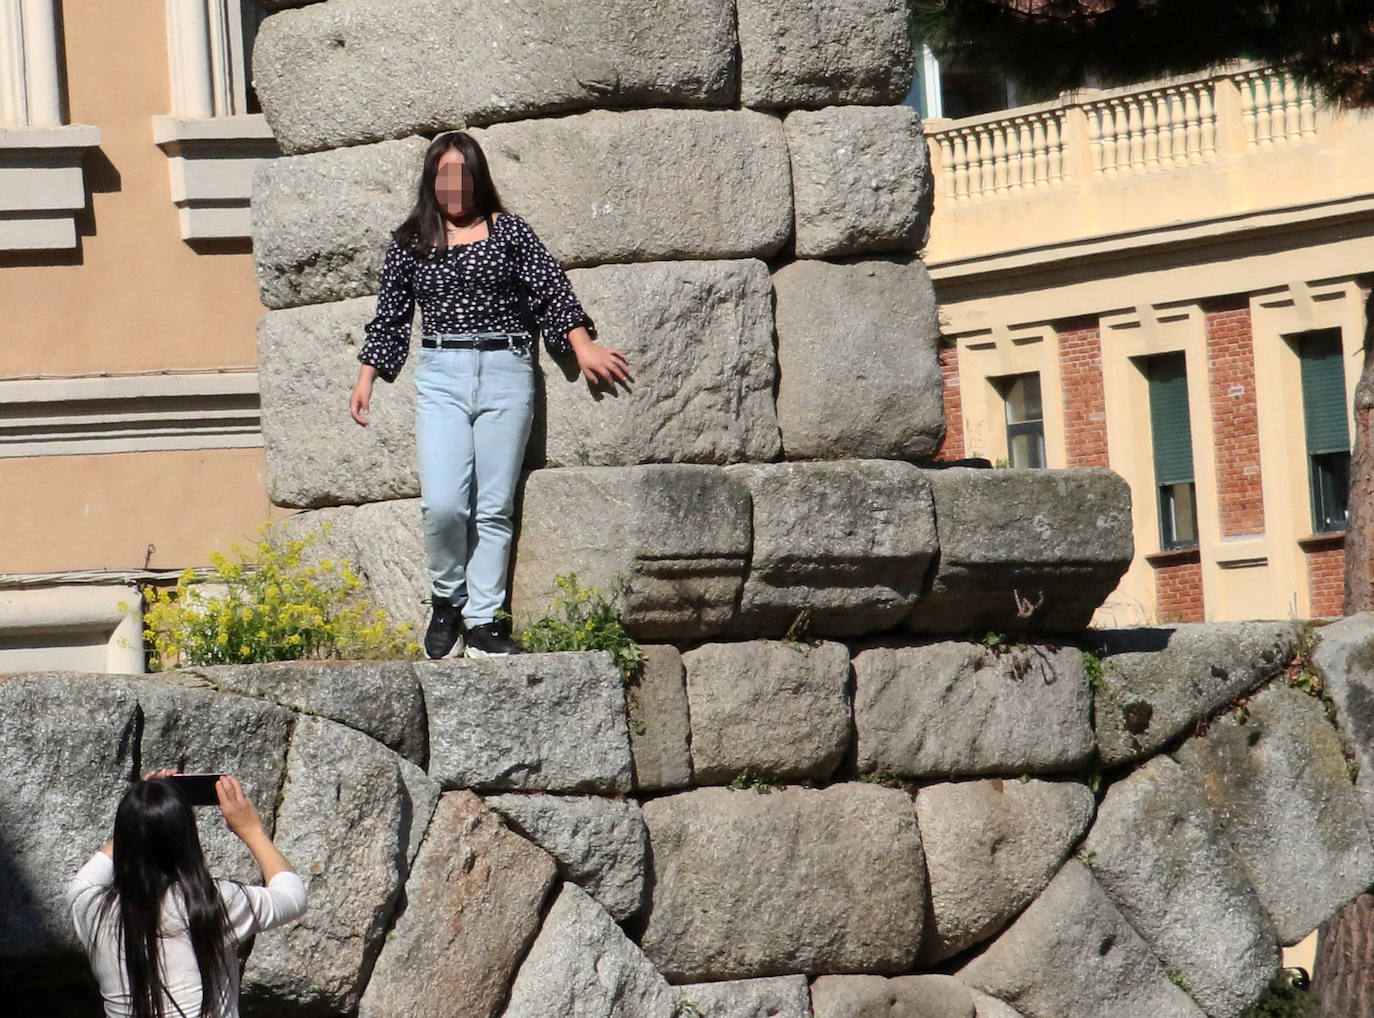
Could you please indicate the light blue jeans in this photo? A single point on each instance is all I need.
(473, 411)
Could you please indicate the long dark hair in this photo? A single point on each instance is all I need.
(423, 229)
(156, 846)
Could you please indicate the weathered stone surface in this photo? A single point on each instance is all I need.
(820, 52)
(599, 844)
(583, 966)
(955, 709)
(385, 544)
(877, 318)
(1026, 551)
(861, 180)
(357, 70)
(345, 821)
(1344, 654)
(656, 702)
(316, 454)
(798, 880)
(322, 222)
(699, 339)
(68, 742)
(990, 1007)
(200, 731)
(1278, 784)
(844, 546)
(769, 708)
(1071, 953)
(472, 907)
(639, 185)
(378, 698)
(1159, 855)
(992, 846)
(424, 793)
(774, 997)
(899, 997)
(1159, 683)
(548, 722)
(678, 534)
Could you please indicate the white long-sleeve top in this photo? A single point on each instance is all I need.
(250, 909)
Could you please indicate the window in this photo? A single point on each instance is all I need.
(1327, 431)
(1172, 439)
(1025, 419)
(210, 44)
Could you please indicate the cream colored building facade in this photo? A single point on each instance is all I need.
(130, 443)
(1222, 216)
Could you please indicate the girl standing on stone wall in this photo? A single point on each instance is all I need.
(473, 268)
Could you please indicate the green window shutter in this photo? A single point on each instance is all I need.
(1169, 427)
(1323, 393)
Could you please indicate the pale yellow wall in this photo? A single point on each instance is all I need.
(135, 296)
(986, 356)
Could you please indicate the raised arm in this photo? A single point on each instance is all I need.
(243, 819)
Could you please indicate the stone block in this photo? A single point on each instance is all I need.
(960, 709)
(354, 71)
(679, 535)
(1275, 777)
(1344, 654)
(381, 699)
(1158, 683)
(840, 548)
(1072, 953)
(861, 180)
(1024, 551)
(316, 454)
(598, 843)
(876, 997)
(699, 339)
(1159, 855)
(472, 909)
(859, 374)
(769, 708)
(656, 701)
(745, 884)
(345, 822)
(529, 722)
(992, 846)
(775, 997)
(583, 966)
(823, 52)
(647, 185)
(321, 223)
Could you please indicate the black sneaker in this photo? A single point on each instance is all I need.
(491, 639)
(445, 629)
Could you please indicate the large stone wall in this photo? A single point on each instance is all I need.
(760, 827)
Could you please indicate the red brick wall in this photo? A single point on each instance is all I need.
(1235, 419)
(953, 448)
(1178, 589)
(1326, 579)
(1085, 409)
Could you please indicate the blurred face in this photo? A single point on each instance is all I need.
(453, 185)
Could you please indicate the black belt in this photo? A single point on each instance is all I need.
(489, 343)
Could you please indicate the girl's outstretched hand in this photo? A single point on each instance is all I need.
(239, 812)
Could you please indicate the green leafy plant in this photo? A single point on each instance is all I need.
(686, 1009)
(1092, 664)
(1286, 996)
(585, 618)
(749, 779)
(270, 605)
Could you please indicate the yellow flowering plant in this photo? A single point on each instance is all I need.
(270, 605)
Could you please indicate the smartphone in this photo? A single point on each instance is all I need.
(196, 789)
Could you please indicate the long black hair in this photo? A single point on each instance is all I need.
(156, 846)
(423, 229)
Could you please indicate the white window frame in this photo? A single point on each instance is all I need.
(42, 187)
(212, 143)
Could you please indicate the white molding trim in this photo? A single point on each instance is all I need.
(71, 628)
(211, 162)
(30, 91)
(42, 186)
(129, 413)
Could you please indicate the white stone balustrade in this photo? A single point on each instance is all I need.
(1109, 170)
